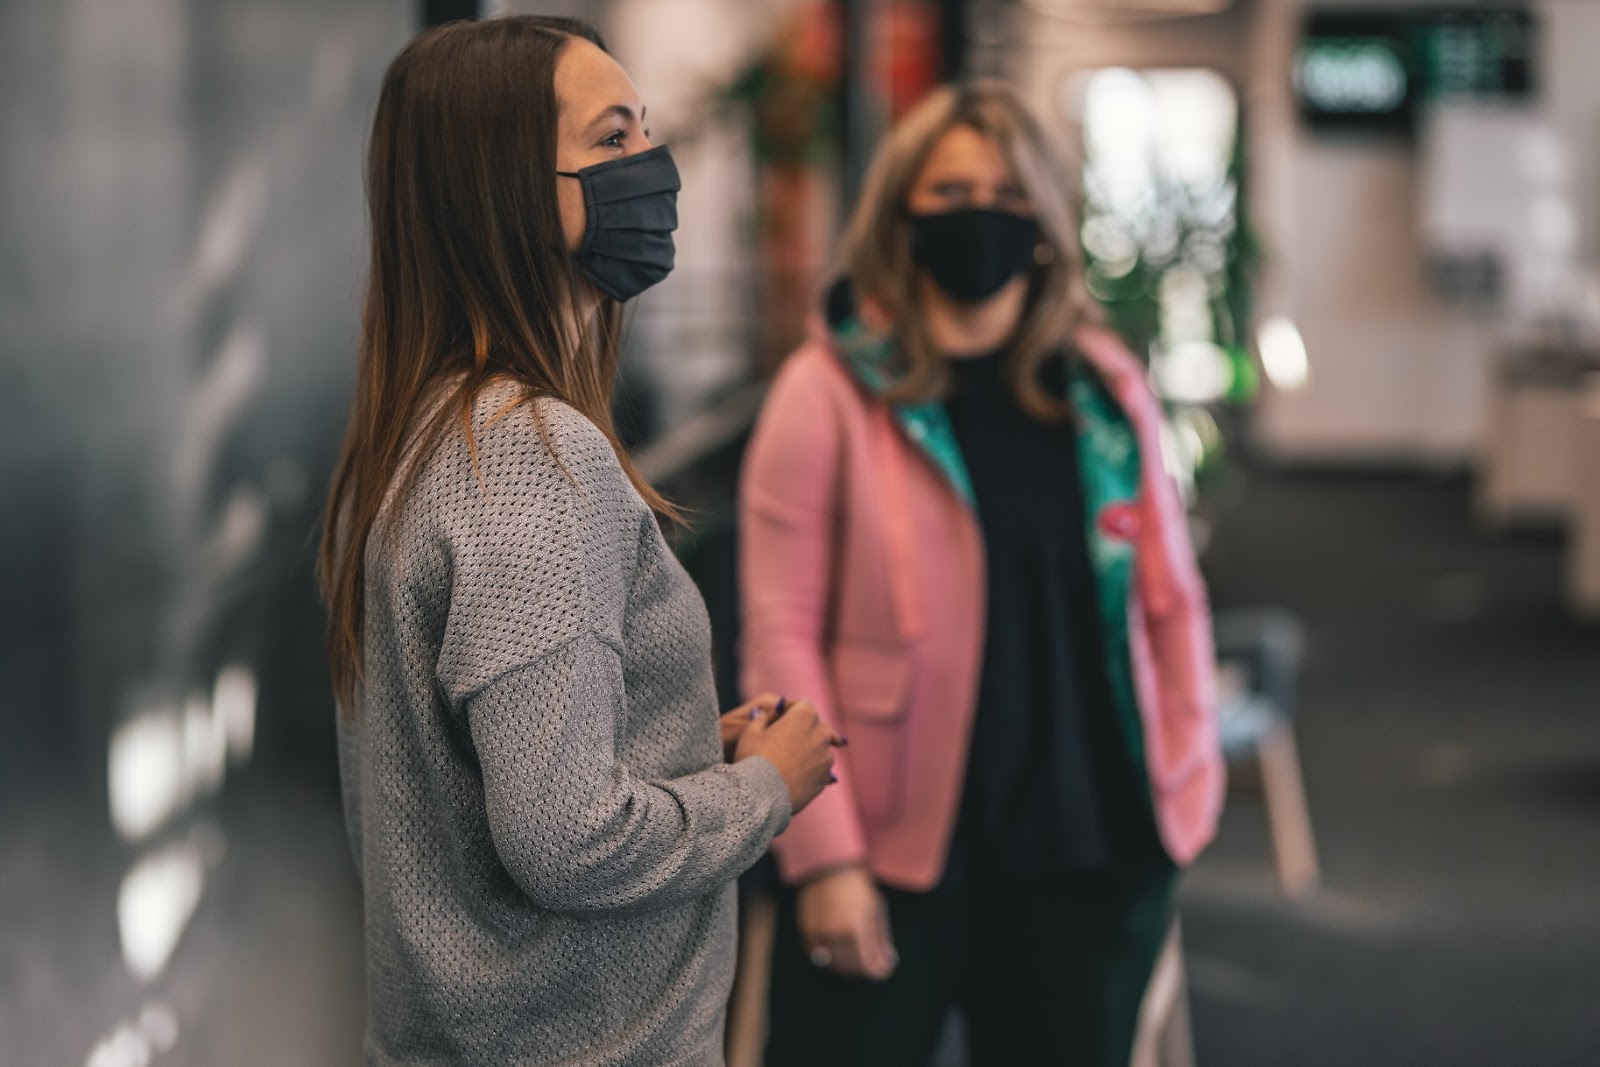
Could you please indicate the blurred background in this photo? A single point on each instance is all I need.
(1359, 246)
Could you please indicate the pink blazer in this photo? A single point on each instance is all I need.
(863, 583)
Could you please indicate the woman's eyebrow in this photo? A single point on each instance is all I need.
(615, 111)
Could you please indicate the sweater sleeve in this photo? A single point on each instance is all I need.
(544, 541)
(578, 831)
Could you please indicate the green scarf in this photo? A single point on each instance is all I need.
(1108, 466)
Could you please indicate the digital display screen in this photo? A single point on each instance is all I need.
(1478, 55)
(1355, 81)
(1369, 71)
(1357, 71)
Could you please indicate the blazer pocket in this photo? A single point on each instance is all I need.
(872, 687)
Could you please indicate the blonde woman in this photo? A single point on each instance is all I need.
(957, 530)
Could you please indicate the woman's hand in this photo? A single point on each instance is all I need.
(798, 742)
(844, 924)
(735, 721)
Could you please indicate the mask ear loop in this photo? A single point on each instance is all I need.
(589, 218)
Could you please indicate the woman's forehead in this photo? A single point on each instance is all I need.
(589, 84)
(964, 150)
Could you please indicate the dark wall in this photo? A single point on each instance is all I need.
(181, 246)
(180, 258)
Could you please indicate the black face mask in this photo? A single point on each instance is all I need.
(973, 252)
(632, 208)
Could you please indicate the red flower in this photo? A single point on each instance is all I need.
(1120, 521)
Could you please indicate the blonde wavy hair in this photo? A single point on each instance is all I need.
(876, 252)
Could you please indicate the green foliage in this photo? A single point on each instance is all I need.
(1130, 256)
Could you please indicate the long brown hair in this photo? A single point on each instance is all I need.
(877, 243)
(470, 281)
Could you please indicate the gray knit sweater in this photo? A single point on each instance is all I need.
(533, 779)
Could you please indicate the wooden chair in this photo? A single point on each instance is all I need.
(1259, 652)
(1164, 1037)
(746, 1038)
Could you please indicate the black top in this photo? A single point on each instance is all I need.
(1050, 784)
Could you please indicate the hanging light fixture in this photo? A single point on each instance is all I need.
(1103, 12)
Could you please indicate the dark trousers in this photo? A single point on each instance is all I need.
(1045, 970)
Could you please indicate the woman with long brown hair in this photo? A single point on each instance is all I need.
(958, 534)
(546, 817)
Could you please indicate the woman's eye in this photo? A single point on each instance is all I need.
(614, 140)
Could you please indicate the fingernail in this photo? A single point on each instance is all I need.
(783, 702)
(843, 740)
(755, 713)
(832, 779)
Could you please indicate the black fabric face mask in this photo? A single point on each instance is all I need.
(971, 253)
(632, 209)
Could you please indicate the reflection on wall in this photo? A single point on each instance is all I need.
(181, 203)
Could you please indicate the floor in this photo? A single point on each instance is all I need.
(1450, 730)
(1449, 726)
